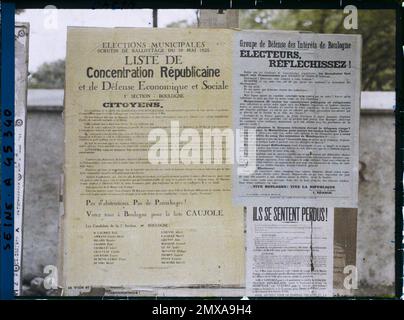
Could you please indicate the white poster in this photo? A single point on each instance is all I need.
(289, 251)
(300, 93)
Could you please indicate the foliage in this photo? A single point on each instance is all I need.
(49, 76)
(377, 28)
(180, 24)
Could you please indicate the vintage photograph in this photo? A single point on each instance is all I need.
(202, 152)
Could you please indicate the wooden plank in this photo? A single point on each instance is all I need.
(21, 76)
(219, 19)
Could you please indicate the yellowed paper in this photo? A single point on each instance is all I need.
(128, 222)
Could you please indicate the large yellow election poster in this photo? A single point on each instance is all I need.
(147, 201)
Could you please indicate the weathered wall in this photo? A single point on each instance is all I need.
(376, 205)
(44, 161)
(44, 165)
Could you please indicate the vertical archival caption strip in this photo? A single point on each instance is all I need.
(7, 157)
